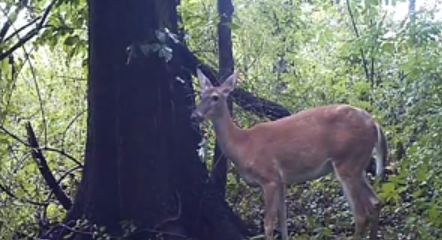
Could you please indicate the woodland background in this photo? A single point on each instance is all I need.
(298, 54)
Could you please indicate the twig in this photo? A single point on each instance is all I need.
(75, 230)
(355, 28)
(12, 195)
(14, 75)
(7, 191)
(50, 149)
(44, 169)
(20, 162)
(3, 129)
(63, 153)
(40, 99)
(72, 78)
(69, 126)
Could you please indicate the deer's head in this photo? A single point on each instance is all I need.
(213, 99)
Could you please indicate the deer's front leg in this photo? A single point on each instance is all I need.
(272, 201)
(283, 213)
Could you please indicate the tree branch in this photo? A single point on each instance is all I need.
(30, 34)
(9, 21)
(43, 167)
(7, 132)
(18, 30)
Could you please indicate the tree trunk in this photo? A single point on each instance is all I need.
(141, 166)
(226, 67)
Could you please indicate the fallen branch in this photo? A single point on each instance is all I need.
(43, 167)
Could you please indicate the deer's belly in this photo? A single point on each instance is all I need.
(300, 175)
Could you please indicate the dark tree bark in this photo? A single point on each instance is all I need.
(226, 67)
(141, 165)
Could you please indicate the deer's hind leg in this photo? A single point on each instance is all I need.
(364, 203)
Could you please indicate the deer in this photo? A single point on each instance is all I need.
(304, 146)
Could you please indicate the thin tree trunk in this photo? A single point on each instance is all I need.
(226, 67)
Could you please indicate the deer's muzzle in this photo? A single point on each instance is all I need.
(197, 116)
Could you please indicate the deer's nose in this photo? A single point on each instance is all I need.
(196, 116)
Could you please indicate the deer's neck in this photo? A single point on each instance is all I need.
(230, 137)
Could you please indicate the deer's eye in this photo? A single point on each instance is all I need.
(214, 98)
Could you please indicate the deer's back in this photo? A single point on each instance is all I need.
(313, 138)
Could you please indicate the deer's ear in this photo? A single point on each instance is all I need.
(205, 82)
(229, 83)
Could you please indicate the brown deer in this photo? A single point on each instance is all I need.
(301, 147)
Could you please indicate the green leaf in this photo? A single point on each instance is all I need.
(71, 40)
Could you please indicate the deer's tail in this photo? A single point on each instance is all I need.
(380, 152)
